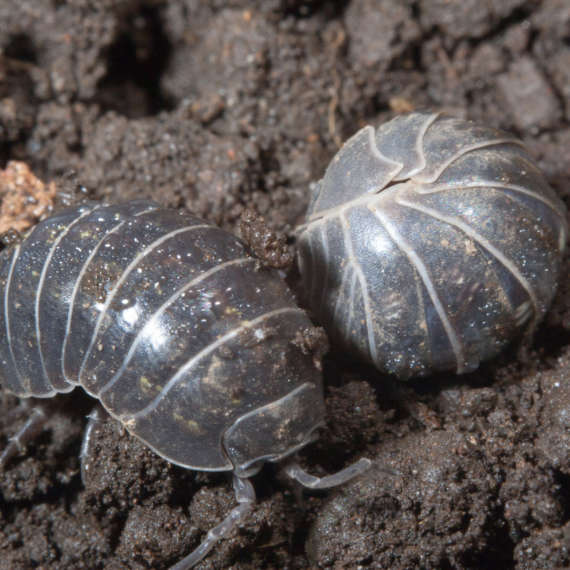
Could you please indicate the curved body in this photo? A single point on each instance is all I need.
(430, 243)
(167, 321)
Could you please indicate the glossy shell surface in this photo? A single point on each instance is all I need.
(430, 243)
(169, 322)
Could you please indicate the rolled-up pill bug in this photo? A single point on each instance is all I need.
(178, 332)
(430, 243)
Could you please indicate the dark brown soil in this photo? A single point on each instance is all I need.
(221, 106)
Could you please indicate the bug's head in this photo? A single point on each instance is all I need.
(276, 430)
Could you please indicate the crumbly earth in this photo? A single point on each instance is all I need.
(225, 106)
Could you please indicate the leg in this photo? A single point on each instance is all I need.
(95, 417)
(295, 471)
(245, 496)
(28, 431)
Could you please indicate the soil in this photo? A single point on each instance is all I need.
(222, 107)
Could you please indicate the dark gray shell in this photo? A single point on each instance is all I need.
(430, 243)
(168, 322)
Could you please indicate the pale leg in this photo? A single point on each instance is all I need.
(28, 431)
(96, 415)
(295, 471)
(245, 496)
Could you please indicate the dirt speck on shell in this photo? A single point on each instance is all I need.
(223, 107)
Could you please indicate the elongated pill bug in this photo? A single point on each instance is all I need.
(430, 243)
(178, 332)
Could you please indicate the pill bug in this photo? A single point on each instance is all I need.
(176, 330)
(430, 243)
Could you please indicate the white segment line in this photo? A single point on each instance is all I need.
(462, 152)
(78, 282)
(42, 280)
(158, 313)
(301, 261)
(392, 166)
(363, 287)
(7, 313)
(396, 166)
(489, 185)
(420, 144)
(429, 188)
(346, 272)
(301, 229)
(326, 263)
(483, 242)
(416, 261)
(331, 213)
(203, 353)
(124, 275)
(312, 273)
(416, 179)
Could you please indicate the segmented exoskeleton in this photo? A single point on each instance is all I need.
(176, 329)
(430, 243)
